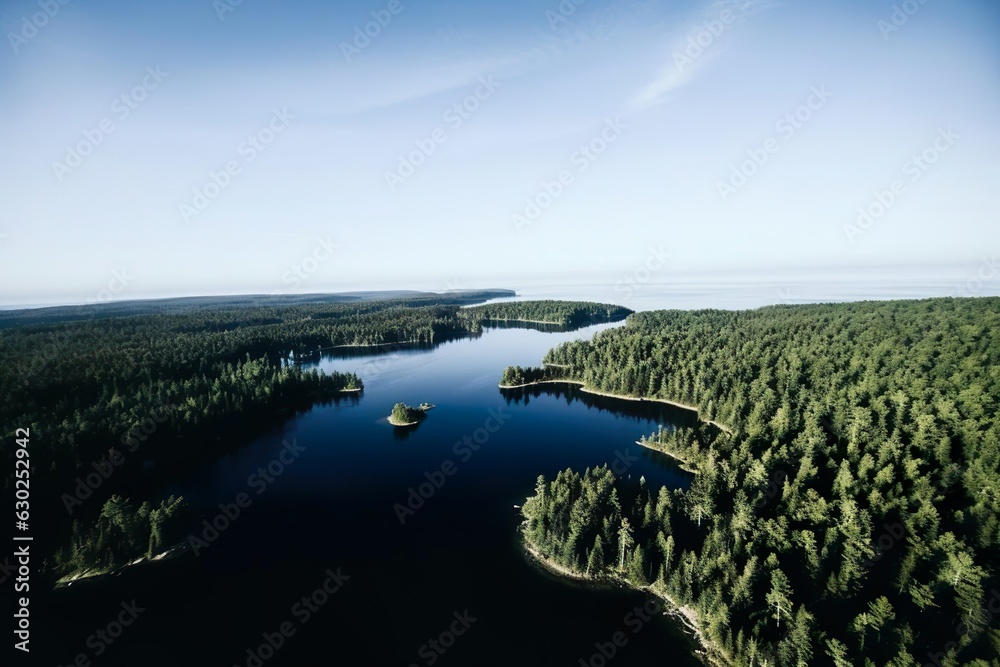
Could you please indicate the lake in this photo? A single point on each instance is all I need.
(447, 568)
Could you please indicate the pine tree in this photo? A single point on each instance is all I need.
(624, 542)
(838, 653)
(595, 559)
(880, 612)
(779, 597)
(636, 566)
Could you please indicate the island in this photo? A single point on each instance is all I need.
(407, 415)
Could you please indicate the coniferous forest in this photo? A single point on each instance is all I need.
(147, 382)
(847, 512)
(563, 313)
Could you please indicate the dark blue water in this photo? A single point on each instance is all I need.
(335, 503)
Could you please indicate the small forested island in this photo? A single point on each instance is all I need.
(170, 381)
(407, 415)
(848, 513)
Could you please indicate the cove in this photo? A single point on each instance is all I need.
(474, 458)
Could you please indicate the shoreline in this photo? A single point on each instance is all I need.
(640, 399)
(94, 576)
(568, 325)
(684, 464)
(499, 319)
(403, 343)
(687, 616)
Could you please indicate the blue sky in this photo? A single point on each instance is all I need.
(475, 144)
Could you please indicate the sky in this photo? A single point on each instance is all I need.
(266, 146)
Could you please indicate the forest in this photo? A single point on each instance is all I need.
(516, 376)
(847, 514)
(563, 313)
(121, 534)
(127, 381)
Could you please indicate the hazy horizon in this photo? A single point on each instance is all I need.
(649, 289)
(231, 147)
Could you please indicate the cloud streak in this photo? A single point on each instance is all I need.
(693, 50)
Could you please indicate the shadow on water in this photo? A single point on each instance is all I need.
(402, 433)
(670, 416)
(534, 326)
(375, 351)
(646, 417)
(354, 351)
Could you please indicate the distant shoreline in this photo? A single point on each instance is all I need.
(500, 319)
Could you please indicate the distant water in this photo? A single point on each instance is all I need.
(642, 290)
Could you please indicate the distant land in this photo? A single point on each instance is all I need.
(191, 304)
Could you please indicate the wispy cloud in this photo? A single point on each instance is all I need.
(669, 79)
(372, 90)
(695, 48)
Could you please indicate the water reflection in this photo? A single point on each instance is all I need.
(670, 416)
(401, 433)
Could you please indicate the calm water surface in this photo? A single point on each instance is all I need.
(334, 507)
